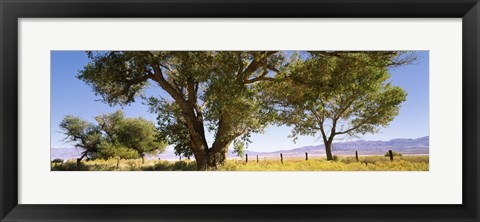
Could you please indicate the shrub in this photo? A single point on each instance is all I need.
(58, 160)
(335, 158)
(393, 153)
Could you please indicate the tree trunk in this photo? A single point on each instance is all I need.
(143, 159)
(328, 150)
(211, 159)
(206, 158)
(80, 159)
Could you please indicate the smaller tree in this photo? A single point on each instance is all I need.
(346, 93)
(115, 150)
(114, 137)
(139, 135)
(85, 135)
(109, 122)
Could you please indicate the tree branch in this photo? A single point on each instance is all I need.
(254, 65)
(241, 65)
(262, 77)
(349, 130)
(158, 77)
(343, 109)
(192, 97)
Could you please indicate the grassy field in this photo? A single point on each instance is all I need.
(365, 163)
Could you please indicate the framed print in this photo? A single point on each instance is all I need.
(225, 110)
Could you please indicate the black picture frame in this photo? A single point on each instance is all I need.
(11, 11)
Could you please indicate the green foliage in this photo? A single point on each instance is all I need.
(114, 137)
(117, 76)
(239, 148)
(86, 136)
(171, 125)
(115, 150)
(342, 92)
(393, 153)
(233, 94)
(337, 93)
(210, 90)
(140, 135)
(108, 122)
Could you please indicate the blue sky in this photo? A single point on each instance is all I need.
(70, 96)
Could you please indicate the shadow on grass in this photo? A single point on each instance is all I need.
(128, 166)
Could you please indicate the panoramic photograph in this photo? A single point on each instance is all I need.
(239, 110)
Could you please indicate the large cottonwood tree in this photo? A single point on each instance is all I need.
(210, 90)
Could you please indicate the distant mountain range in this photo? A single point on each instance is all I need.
(404, 146)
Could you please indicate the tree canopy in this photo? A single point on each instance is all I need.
(86, 136)
(344, 94)
(232, 94)
(114, 136)
(211, 90)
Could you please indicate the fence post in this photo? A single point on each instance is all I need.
(356, 155)
(257, 158)
(306, 156)
(281, 158)
(246, 158)
(390, 153)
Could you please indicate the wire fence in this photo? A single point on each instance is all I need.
(281, 157)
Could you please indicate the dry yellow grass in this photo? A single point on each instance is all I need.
(365, 163)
